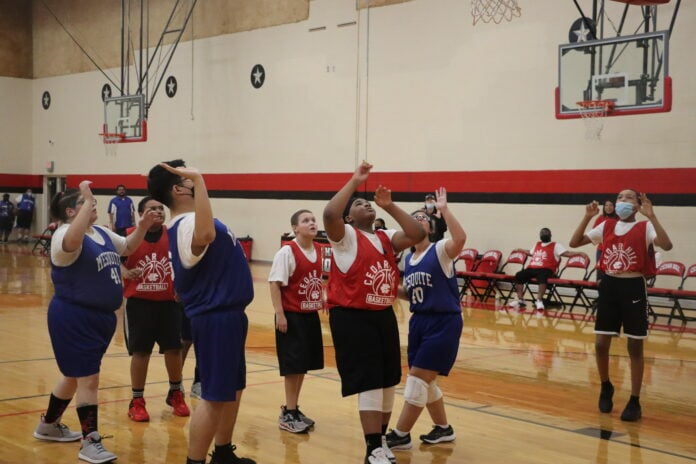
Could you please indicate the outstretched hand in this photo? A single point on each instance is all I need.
(183, 171)
(148, 219)
(383, 197)
(592, 209)
(362, 172)
(441, 199)
(646, 206)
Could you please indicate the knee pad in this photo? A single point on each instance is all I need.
(416, 391)
(370, 400)
(388, 399)
(434, 392)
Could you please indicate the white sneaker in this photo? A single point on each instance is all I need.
(195, 391)
(540, 305)
(377, 456)
(55, 431)
(93, 451)
(517, 305)
(386, 449)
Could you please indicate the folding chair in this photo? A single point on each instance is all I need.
(481, 279)
(42, 247)
(515, 262)
(663, 287)
(575, 275)
(466, 262)
(687, 291)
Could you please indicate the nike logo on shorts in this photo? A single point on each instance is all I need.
(635, 301)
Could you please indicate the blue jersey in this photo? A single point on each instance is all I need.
(26, 203)
(221, 280)
(93, 281)
(122, 208)
(429, 289)
(6, 209)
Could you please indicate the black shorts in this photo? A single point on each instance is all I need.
(622, 302)
(368, 354)
(24, 219)
(6, 224)
(541, 274)
(300, 349)
(147, 322)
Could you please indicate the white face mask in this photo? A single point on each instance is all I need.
(623, 209)
(430, 206)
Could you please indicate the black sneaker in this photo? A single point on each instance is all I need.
(228, 457)
(439, 435)
(632, 412)
(398, 443)
(606, 404)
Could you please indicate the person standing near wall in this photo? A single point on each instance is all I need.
(121, 211)
(152, 314)
(297, 296)
(7, 212)
(85, 270)
(627, 260)
(213, 280)
(363, 284)
(26, 204)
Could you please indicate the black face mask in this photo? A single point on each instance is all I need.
(545, 238)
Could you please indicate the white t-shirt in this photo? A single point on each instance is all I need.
(61, 258)
(284, 263)
(596, 235)
(445, 261)
(345, 251)
(184, 238)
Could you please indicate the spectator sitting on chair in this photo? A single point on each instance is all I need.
(121, 211)
(25, 215)
(7, 212)
(546, 255)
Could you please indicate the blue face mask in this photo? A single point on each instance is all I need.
(623, 209)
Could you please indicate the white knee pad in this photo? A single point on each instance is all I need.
(370, 400)
(416, 391)
(388, 399)
(434, 392)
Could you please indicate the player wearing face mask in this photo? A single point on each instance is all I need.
(627, 260)
(438, 225)
(546, 255)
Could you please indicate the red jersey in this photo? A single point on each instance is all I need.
(543, 257)
(305, 289)
(155, 282)
(627, 253)
(371, 282)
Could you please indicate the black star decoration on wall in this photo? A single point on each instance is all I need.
(46, 100)
(258, 76)
(171, 86)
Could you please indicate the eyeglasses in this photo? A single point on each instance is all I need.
(421, 217)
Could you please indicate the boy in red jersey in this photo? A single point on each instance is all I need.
(297, 296)
(628, 258)
(362, 287)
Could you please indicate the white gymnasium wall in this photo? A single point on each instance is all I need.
(16, 125)
(436, 94)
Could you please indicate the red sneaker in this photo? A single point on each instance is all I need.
(175, 399)
(137, 411)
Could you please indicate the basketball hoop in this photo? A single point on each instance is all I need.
(593, 113)
(494, 10)
(111, 142)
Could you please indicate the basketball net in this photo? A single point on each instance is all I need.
(494, 10)
(111, 142)
(593, 113)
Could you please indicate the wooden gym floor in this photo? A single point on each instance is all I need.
(523, 390)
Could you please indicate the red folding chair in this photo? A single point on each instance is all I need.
(575, 275)
(662, 290)
(515, 262)
(465, 263)
(482, 278)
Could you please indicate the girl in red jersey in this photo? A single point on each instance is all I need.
(627, 259)
(362, 287)
(608, 212)
(297, 296)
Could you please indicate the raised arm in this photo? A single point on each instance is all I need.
(454, 245)
(134, 240)
(646, 209)
(333, 212)
(83, 219)
(412, 232)
(579, 238)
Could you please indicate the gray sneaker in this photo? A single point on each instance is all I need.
(93, 451)
(195, 391)
(290, 421)
(55, 431)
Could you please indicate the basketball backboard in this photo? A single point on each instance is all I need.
(126, 115)
(630, 71)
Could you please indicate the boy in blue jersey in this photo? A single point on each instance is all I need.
(85, 270)
(434, 329)
(213, 281)
(26, 203)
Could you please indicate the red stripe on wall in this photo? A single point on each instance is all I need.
(655, 181)
(23, 181)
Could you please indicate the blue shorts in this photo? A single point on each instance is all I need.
(218, 340)
(79, 337)
(433, 341)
